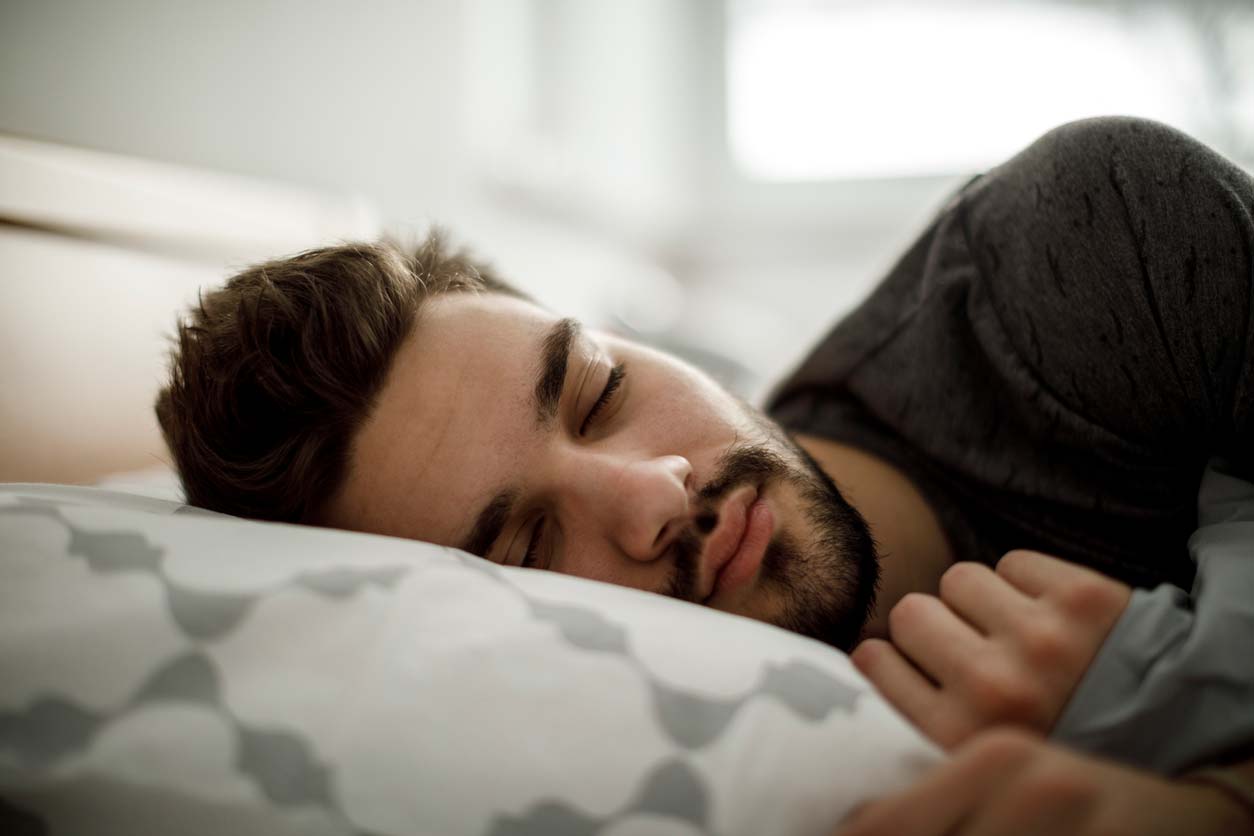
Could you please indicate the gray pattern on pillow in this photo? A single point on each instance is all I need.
(204, 674)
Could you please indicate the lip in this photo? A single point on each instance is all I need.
(736, 546)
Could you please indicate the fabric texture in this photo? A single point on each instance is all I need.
(1056, 358)
(168, 670)
(1172, 688)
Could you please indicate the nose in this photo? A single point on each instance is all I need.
(641, 504)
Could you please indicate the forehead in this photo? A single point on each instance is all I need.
(453, 419)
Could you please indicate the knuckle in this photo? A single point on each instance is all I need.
(960, 575)
(1093, 596)
(1045, 645)
(1000, 747)
(867, 655)
(998, 695)
(908, 611)
(1013, 558)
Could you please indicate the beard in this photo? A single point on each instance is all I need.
(825, 581)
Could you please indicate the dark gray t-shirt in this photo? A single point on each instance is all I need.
(1054, 361)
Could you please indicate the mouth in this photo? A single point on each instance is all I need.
(735, 548)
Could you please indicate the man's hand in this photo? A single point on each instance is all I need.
(1010, 782)
(995, 648)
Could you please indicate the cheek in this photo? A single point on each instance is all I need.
(683, 408)
(695, 413)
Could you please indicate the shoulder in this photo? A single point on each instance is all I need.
(1114, 176)
(1114, 253)
(1147, 153)
(1106, 190)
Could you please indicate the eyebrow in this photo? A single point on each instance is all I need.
(554, 357)
(555, 351)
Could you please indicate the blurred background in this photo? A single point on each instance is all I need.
(723, 178)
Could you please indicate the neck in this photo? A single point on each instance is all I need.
(913, 549)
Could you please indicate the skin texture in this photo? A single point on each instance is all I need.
(994, 647)
(913, 550)
(632, 497)
(631, 494)
(628, 499)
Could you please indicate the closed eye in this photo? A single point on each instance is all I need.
(530, 557)
(617, 375)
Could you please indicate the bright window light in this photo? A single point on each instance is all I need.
(831, 90)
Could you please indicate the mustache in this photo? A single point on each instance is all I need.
(742, 464)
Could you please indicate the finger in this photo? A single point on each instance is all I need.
(1035, 573)
(989, 603)
(909, 691)
(933, 637)
(946, 796)
(913, 812)
(1049, 797)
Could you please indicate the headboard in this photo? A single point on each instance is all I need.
(99, 252)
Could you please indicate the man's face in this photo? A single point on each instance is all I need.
(506, 431)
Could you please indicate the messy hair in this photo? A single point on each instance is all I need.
(272, 375)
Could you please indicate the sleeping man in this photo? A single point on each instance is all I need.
(962, 484)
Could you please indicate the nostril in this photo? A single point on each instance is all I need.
(705, 522)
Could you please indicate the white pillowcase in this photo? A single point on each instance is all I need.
(170, 670)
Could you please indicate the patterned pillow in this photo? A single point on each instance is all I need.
(167, 670)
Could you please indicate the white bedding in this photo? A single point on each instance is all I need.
(166, 670)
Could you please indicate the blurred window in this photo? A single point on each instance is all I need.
(846, 89)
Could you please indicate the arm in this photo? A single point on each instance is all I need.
(994, 648)
(1170, 688)
(1119, 257)
(1173, 687)
(1011, 782)
(1149, 237)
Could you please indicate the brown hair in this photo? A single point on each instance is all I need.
(272, 375)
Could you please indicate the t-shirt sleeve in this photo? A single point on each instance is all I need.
(1117, 255)
(1060, 352)
(1173, 686)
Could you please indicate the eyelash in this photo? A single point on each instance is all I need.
(529, 558)
(617, 375)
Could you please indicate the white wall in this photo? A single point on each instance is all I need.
(373, 99)
(359, 98)
(577, 143)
